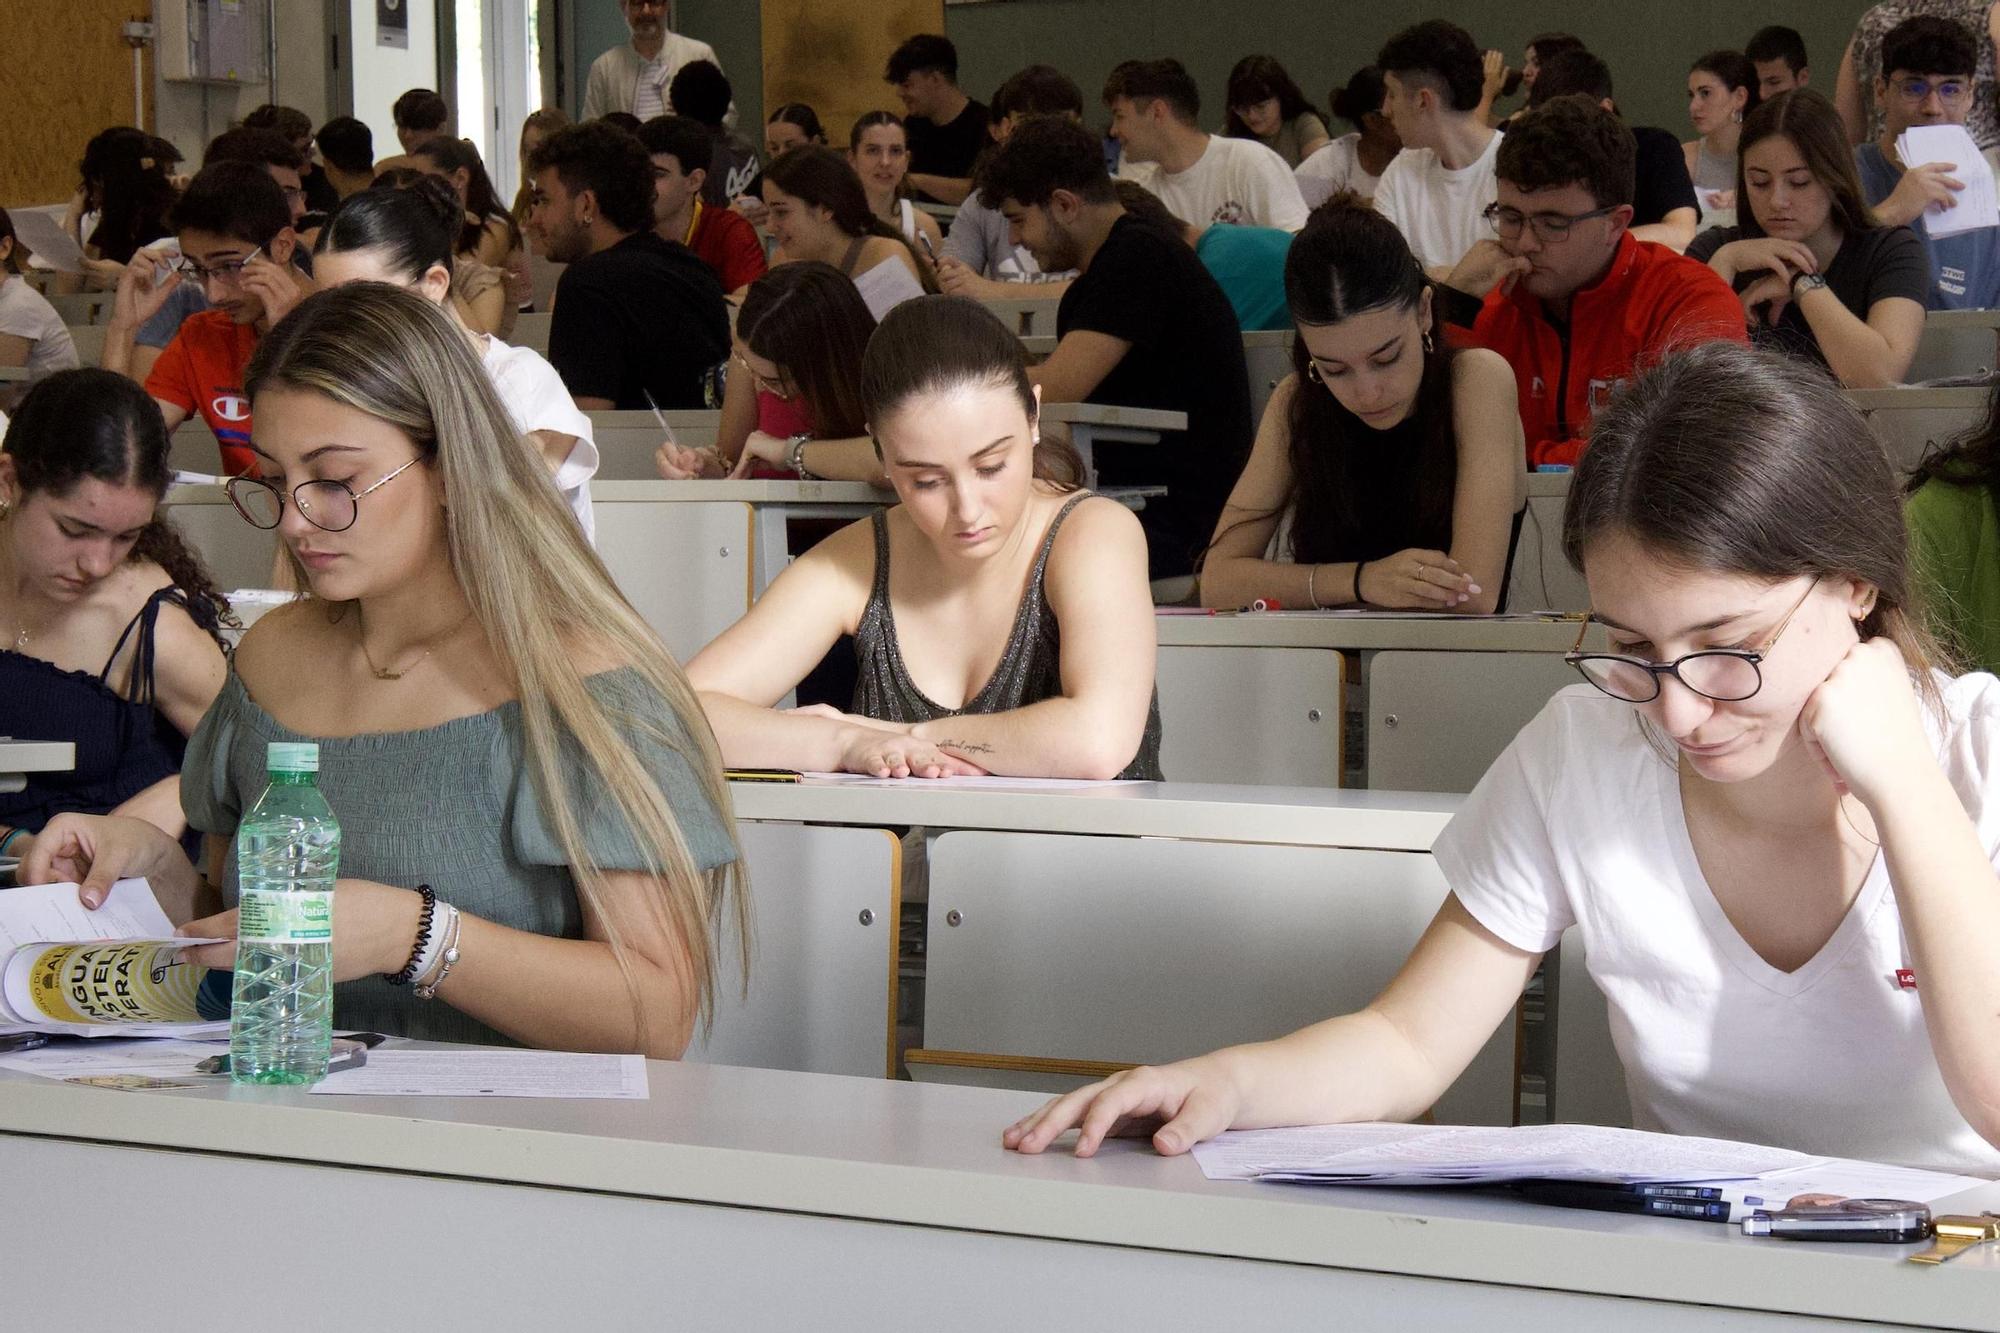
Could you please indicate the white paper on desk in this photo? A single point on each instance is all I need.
(1978, 205)
(1850, 1180)
(983, 783)
(45, 238)
(496, 1072)
(144, 1057)
(1459, 1155)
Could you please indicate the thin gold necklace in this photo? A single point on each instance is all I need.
(383, 673)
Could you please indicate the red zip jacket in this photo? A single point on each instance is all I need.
(1651, 301)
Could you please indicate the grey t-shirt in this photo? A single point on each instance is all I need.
(1965, 269)
(184, 300)
(978, 239)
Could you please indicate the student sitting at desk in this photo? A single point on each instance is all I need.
(1817, 277)
(879, 148)
(503, 726)
(109, 620)
(1145, 325)
(819, 211)
(1772, 822)
(1001, 616)
(405, 237)
(1387, 467)
(792, 400)
(237, 244)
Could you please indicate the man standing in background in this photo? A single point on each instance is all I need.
(633, 78)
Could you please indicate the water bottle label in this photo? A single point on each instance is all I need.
(266, 917)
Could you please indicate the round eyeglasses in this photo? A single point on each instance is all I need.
(1726, 675)
(330, 506)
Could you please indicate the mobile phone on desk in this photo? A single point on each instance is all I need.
(1883, 1221)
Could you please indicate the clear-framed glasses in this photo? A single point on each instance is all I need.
(330, 506)
(1727, 675)
(772, 387)
(231, 269)
(1550, 228)
(1949, 91)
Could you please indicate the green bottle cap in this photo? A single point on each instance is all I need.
(291, 757)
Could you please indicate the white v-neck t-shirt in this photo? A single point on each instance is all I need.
(1580, 823)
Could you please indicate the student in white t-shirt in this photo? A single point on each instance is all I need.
(1199, 176)
(394, 236)
(32, 334)
(1353, 163)
(1438, 189)
(1781, 866)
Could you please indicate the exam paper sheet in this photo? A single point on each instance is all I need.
(1383, 1154)
(491, 1073)
(1977, 205)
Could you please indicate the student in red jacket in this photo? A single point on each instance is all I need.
(1571, 300)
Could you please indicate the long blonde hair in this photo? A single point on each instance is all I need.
(538, 592)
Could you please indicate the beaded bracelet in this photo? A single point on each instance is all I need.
(409, 972)
(427, 989)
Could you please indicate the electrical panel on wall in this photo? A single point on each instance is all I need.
(211, 41)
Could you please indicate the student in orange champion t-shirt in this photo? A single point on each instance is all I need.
(722, 237)
(236, 240)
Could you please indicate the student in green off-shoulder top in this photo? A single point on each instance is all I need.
(494, 720)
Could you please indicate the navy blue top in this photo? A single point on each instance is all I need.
(123, 746)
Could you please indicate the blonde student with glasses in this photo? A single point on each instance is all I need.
(507, 745)
(1770, 816)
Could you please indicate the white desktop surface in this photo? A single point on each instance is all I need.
(928, 1157)
(1301, 816)
(1363, 633)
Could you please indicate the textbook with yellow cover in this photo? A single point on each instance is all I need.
(118, 970)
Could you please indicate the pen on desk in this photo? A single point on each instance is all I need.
(1623, 1199)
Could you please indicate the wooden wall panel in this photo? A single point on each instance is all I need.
(67, 75)
(830, 54)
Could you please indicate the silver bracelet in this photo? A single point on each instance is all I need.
(1312, 572)
(799, 443)
(427, 988)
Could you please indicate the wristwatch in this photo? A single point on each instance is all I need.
(799, 443)
(1807, 282)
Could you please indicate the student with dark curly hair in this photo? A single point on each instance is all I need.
(107, 620)
(638, 321)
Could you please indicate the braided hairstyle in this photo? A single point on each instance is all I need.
(99, 424)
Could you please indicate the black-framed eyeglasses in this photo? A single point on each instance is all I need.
(330, 506)
(1549, 227)
(231, 269)
(1950, 91)
(1726, 675)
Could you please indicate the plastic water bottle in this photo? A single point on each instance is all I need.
(287, 854)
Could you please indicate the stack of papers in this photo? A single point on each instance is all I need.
(1406, 1155)
(1978, 204)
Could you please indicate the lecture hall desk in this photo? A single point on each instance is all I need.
(752, 1199)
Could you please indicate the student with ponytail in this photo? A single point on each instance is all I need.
(493, 717)
(819, 210)
(107, 620)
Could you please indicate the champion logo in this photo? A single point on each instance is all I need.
(230, 406)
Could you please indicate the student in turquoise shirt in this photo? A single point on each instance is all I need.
(1247, 262)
